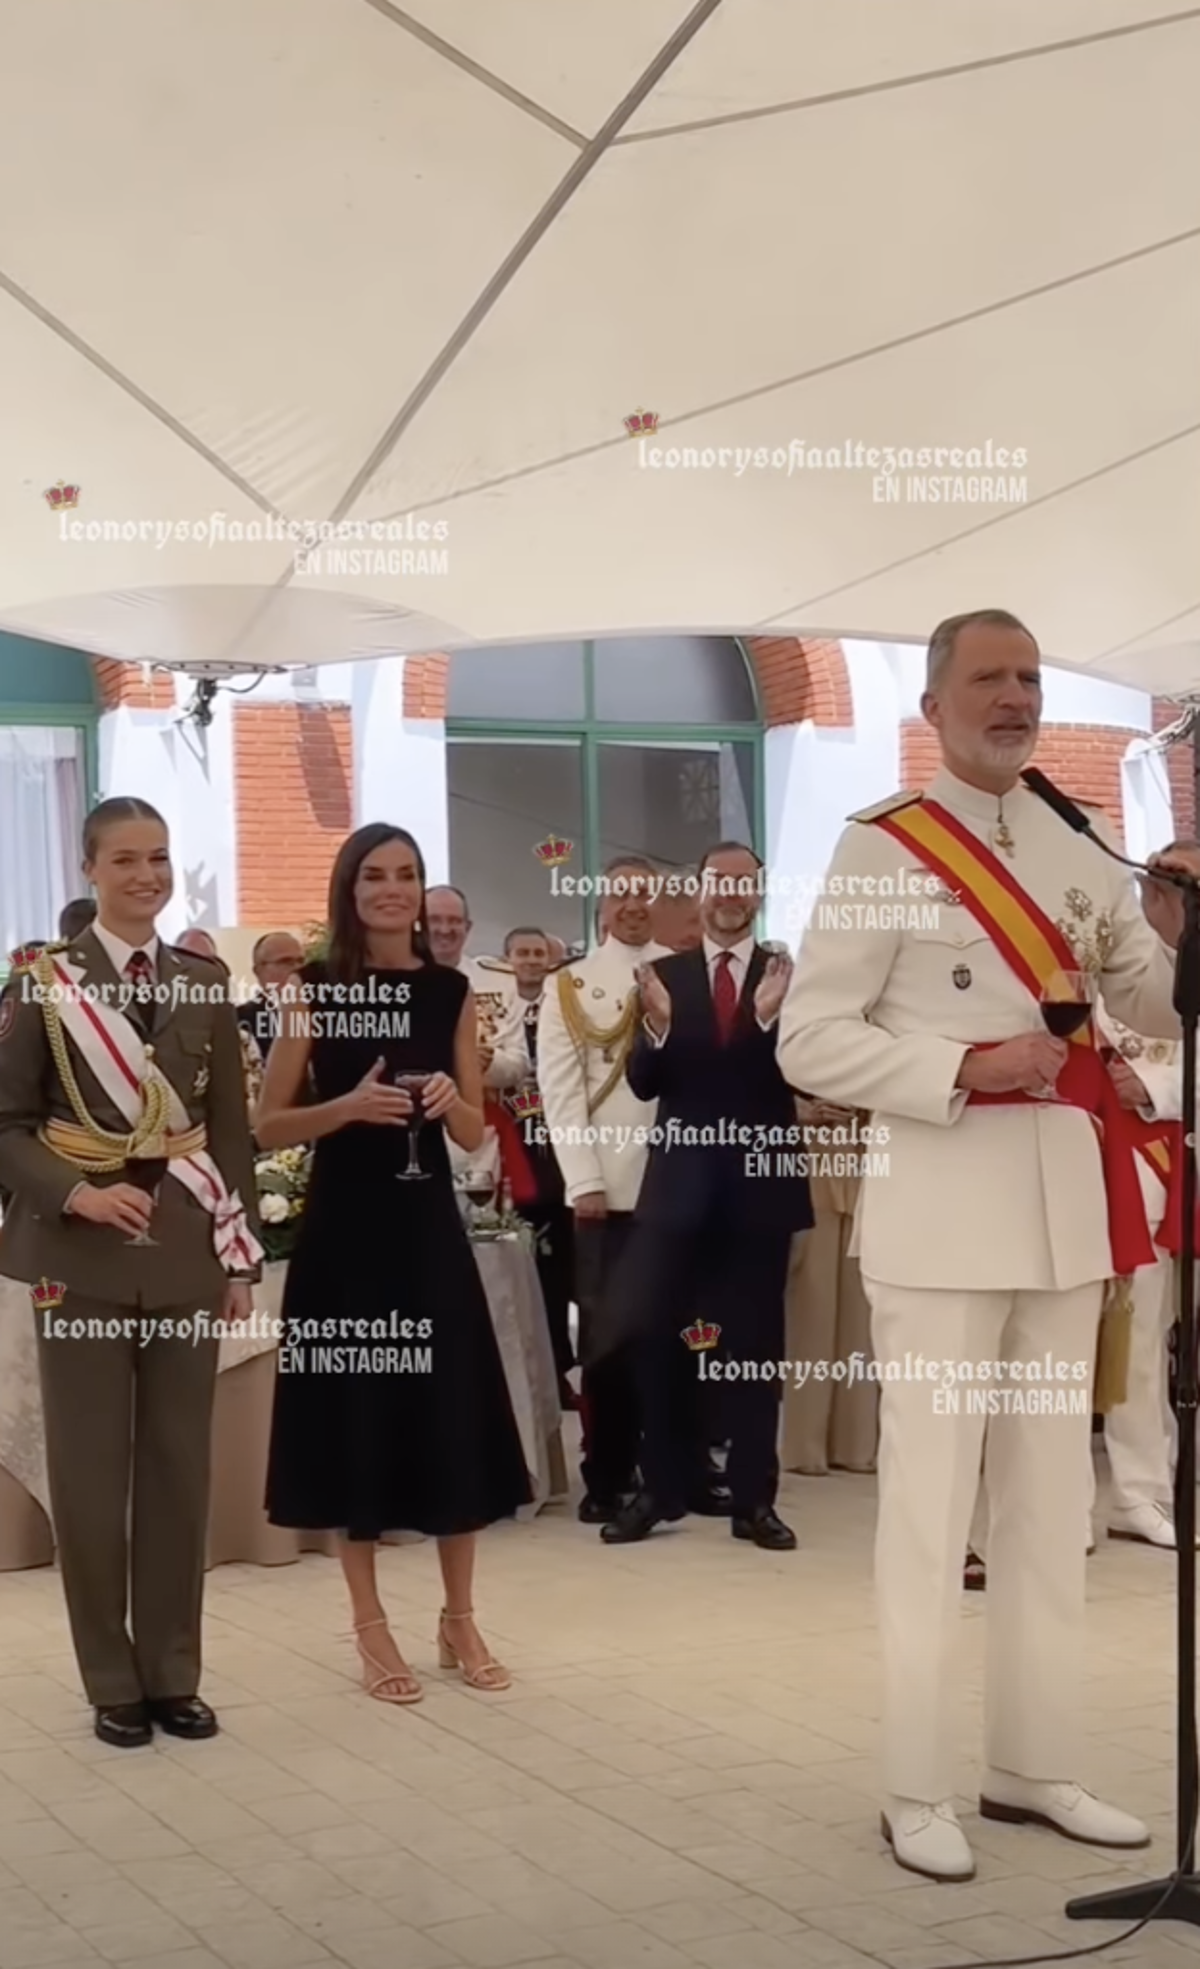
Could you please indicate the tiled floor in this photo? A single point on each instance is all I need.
(681, 1775)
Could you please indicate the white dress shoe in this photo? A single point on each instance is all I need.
(927, 1839)
(1065, 1808)
(1145, 1524)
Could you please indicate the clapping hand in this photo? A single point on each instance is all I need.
(438, 1096)
(772, 989)
(656, 1000)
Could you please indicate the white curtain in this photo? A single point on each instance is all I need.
(41, 817)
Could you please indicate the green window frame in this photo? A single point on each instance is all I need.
(590, 734)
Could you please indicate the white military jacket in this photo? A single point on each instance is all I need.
(885, 1003)
(596, 1147)
(495, 991)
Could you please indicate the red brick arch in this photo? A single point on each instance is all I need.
(799, 681)
(796, 680)
(126, 683)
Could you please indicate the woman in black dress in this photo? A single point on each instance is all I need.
(391, 1407)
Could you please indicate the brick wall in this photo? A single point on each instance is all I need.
(1085, 760)
(127, 683)
(1180, 770)
(295, 805)
(799, 680)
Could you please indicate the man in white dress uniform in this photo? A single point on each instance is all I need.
(1139, 1434)
(586, 1026)
(501, 1051)
(991, 1235)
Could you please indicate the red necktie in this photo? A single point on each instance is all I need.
(140, 973)
(725, 997)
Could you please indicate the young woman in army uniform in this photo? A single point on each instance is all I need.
(125, 1142)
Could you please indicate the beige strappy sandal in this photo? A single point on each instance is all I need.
(397, 1685)
(490, 1676)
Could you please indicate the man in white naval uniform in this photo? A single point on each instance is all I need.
(588, 1018)
(501, 1050)
(988, 1239)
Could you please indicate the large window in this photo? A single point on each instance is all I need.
(48, 717)
(648, 746)
(42, 803)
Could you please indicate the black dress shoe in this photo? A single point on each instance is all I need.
(767, 1529)
(125, 1725)
(600, 1510)
(638, 1520)
(715, 1502)
(184, 1716)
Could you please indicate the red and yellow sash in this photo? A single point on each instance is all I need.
(1033, 948)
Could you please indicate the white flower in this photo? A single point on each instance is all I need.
(273, 1209)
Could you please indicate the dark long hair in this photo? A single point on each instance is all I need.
(347, 956)
(108, 813)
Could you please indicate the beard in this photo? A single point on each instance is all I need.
(1006, 752)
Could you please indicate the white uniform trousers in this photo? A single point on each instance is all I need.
(1139, 1434)
(929, 1465)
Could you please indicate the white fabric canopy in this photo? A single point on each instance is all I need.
(343, 259)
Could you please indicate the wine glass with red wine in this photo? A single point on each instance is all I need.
(145, 1173)
(413, 1084)
(1067, 1002)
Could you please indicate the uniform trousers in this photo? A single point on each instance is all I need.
(611, 1411)
(1139, 1433)
(128, 1449)
(553, 1226)
(929, 1462)
(827, 1423)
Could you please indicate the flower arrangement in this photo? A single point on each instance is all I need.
(282, 1185)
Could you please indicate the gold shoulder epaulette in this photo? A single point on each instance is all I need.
(495, 964)
(892, 805)
(27, 955)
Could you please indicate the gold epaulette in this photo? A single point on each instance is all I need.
(27, 956)
(500, 964)
(894, 804)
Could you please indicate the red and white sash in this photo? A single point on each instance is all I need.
(116, 1056)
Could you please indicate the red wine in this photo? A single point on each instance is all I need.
(145, 1172)
(1062, 1017)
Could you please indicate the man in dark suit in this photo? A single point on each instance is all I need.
(719, 1204)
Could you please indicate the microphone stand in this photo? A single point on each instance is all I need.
(1177, 1898)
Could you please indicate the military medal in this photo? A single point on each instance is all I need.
(961, 976)
(1001, 834)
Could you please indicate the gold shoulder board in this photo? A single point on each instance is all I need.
(495, 964)
(894, 804)
(28, 955)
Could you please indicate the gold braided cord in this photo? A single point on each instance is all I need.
(118, 1149)
(584, 1033)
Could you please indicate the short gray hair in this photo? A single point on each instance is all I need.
(945, 636)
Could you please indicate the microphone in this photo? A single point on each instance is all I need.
(1057, 800)
(1078, 822)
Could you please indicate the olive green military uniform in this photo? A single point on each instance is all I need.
(127, 1423)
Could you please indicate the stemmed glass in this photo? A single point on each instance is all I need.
(1067, 1000)
(145, 1173)
(413, 1083)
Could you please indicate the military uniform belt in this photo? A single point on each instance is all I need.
(76, 1145)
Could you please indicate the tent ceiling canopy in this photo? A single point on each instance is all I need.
(908, 296)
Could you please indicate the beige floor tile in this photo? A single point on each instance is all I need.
(683, 1772)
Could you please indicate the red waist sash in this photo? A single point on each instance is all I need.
(1084, 1083)
(514, 1163)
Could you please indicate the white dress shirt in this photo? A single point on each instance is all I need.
(119, 952)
